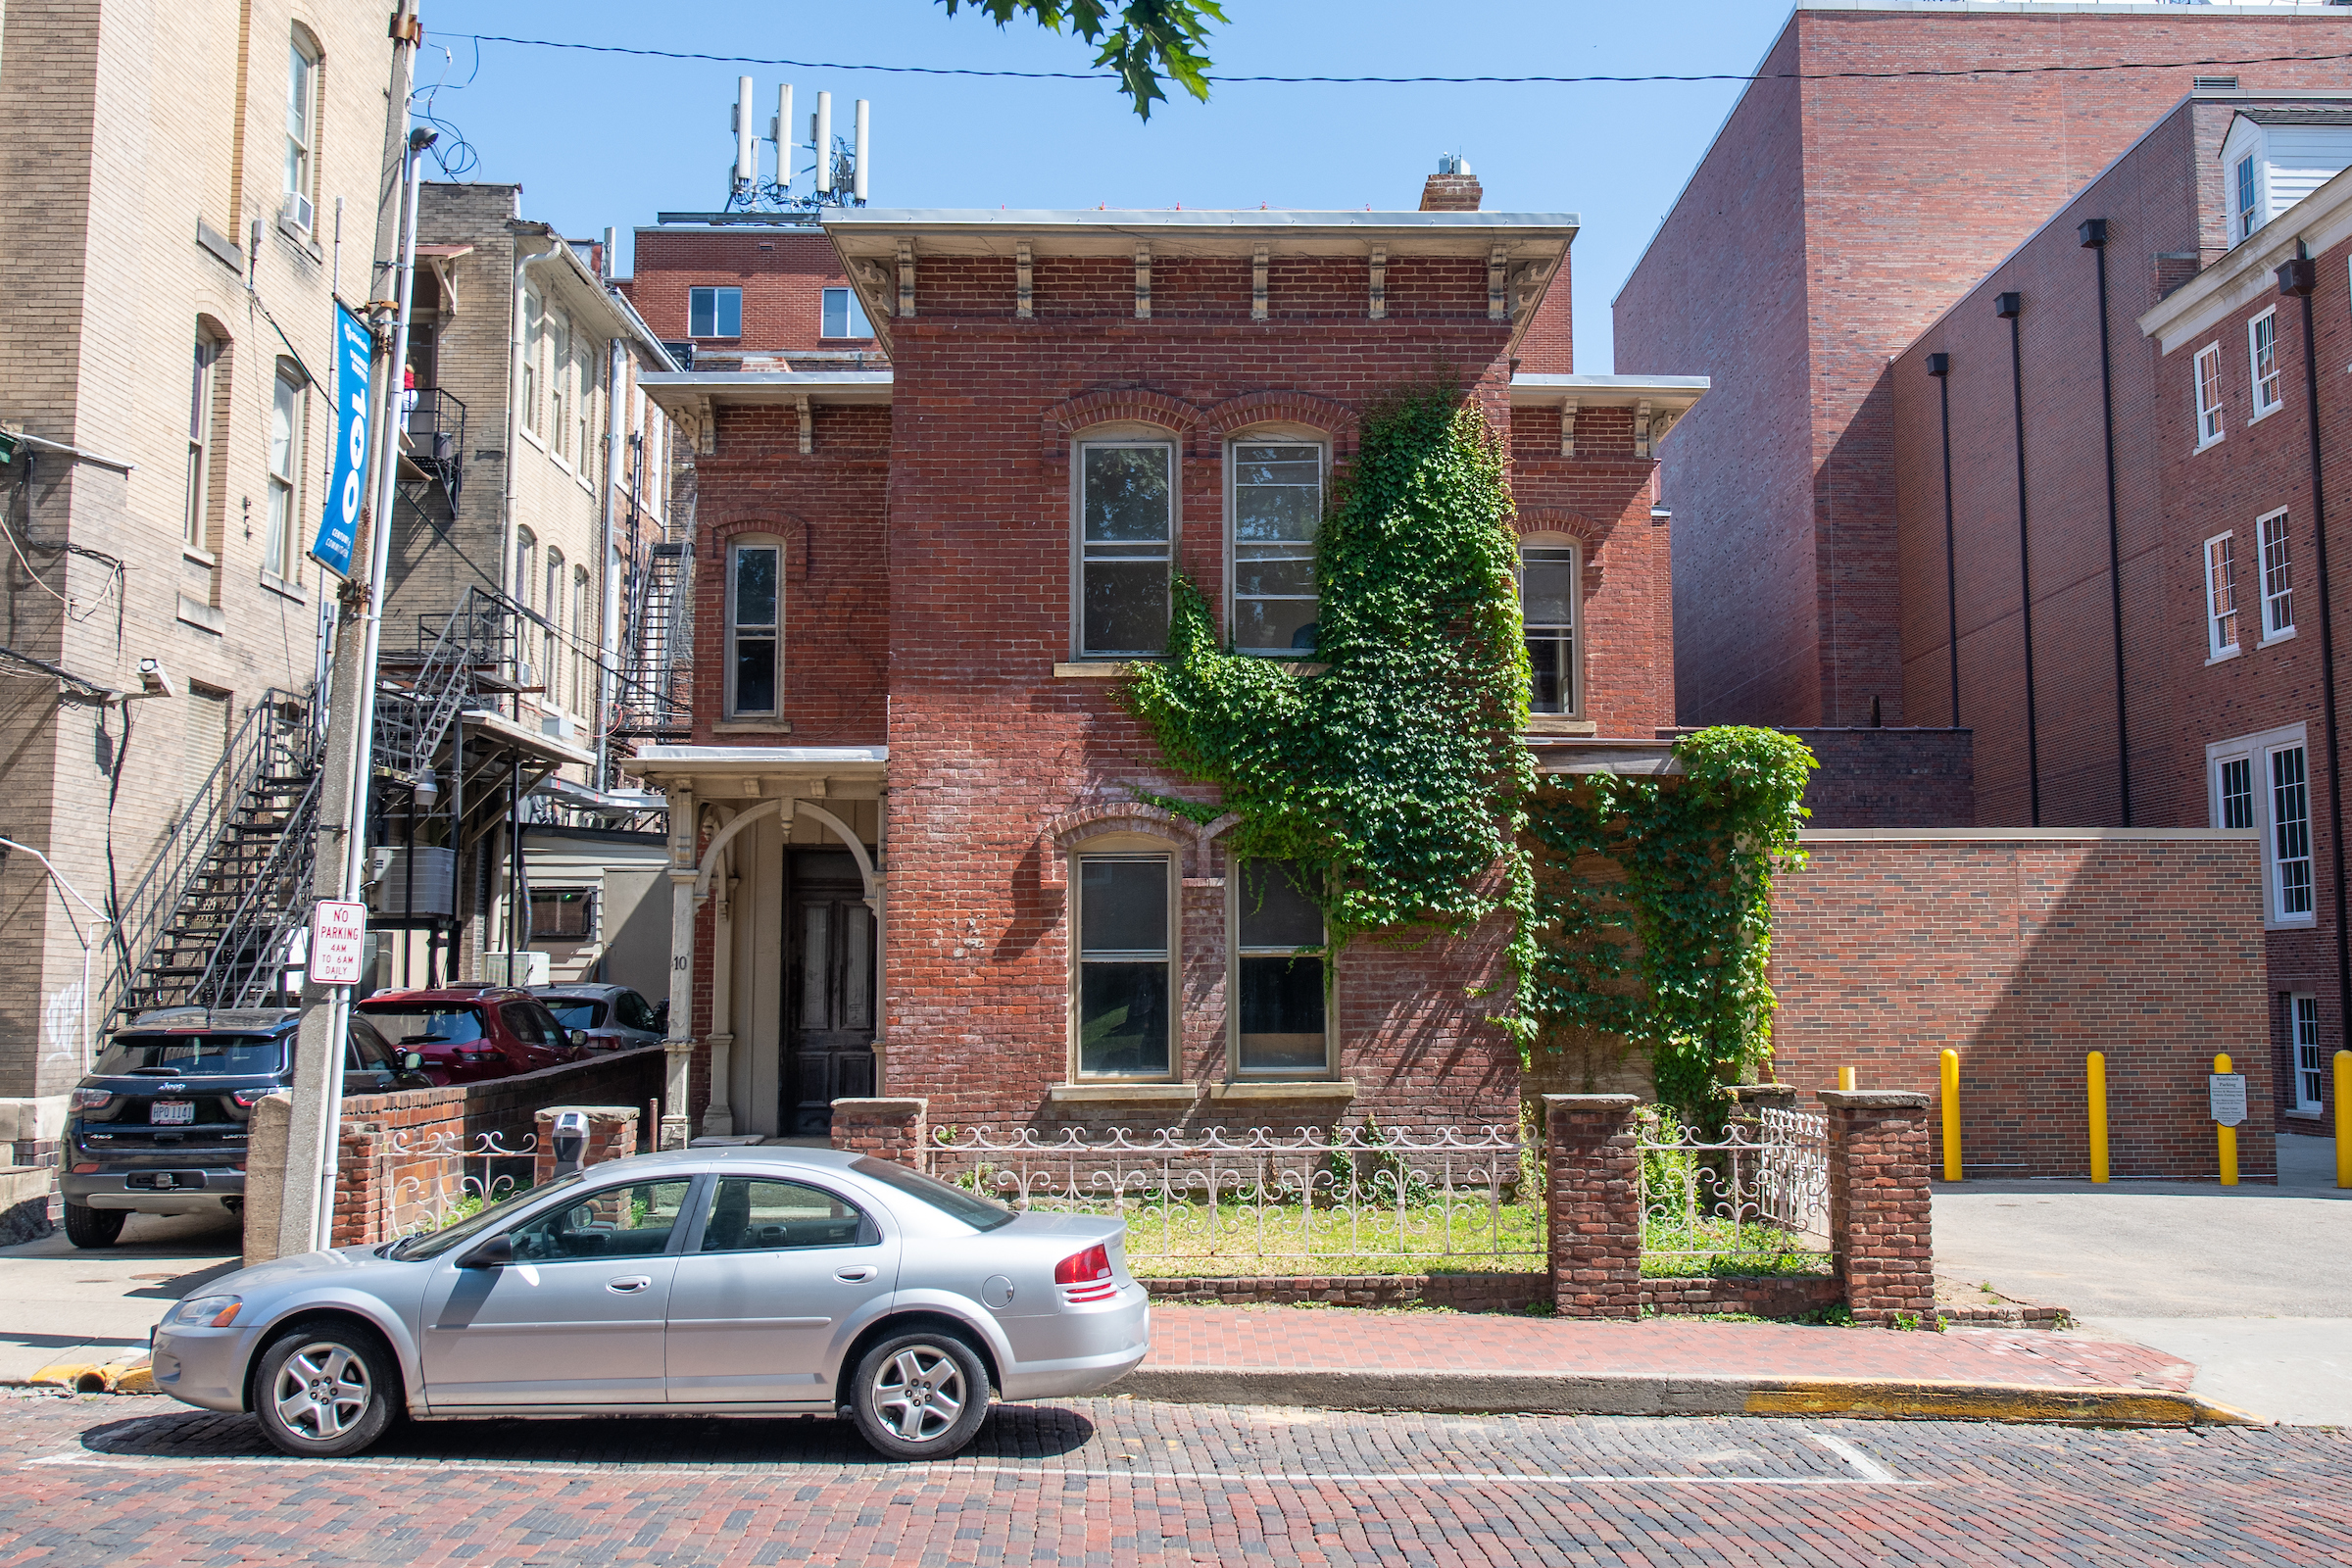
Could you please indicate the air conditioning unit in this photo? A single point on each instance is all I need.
(389, 880)
(557, 726)
(524, 675)
(297, 213)
(514, 968)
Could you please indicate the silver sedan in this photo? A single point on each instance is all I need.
(730, 1280)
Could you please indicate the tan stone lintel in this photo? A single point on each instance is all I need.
(1092, 670)
(1314, 1088)
(1113, 1093)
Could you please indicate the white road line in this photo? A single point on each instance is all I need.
(1863, 1466)
(1408, 1478)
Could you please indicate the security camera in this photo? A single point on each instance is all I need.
(155, 680)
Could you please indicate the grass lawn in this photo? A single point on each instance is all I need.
(1720, 1247)
(1186, 1240)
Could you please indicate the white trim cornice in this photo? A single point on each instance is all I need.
(2322, 220)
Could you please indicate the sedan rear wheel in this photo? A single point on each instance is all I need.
(325, 1391)
(920, 1396)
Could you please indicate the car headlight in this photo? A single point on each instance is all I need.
(206, 1311)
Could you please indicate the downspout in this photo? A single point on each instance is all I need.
(2298, 278)
(2093, 235)
(609, 639)
(2009, 306)
(1939, 365)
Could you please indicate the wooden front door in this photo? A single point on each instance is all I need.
(829, 966)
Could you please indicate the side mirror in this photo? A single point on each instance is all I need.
(578, 1038)
(496, 1253)
(412, 1061)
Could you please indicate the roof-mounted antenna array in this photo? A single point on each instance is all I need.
(836, 170)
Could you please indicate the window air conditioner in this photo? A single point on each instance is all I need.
(296, 211)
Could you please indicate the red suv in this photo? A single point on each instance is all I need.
(466, 1034)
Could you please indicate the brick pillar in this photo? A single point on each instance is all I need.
(887, 1129)
(1594, 1214)
(612, 1135)
(1751, 1100)
(359, 1219)
(1879, 1215)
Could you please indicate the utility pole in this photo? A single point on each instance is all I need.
(306, 1220)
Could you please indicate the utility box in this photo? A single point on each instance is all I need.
(388, 890)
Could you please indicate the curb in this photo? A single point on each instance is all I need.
(1587, 1393)
(124, 1374)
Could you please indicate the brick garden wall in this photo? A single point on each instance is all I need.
(2022, 954)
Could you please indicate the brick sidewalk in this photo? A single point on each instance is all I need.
(1295, 1339)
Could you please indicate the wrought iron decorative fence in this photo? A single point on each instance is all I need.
(423, 1181)
(1366, 1194)
(1745, 1202)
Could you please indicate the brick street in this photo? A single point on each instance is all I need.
(138, 1481)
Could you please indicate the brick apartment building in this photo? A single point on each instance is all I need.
(1830, 222)
(188, 190)
(911, 789)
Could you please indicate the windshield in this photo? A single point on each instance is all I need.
(576, 1012)
(980, 1214)
(192, 1056)
(427, 1024)
(432, 1244)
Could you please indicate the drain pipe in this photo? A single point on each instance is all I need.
(99, 924)
(2297, 278)
(607, 640)
(2009, 306)
(1939, 365)
(2093, 233)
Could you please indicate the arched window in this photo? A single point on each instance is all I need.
(584, 694)
(289, 407)
(203, 390)
(302, 131)
(552, 606)
(1550, 570)
(755, 627)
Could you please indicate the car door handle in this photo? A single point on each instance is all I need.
(858, 1275)
(628, 1284)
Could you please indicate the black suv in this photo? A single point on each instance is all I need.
(158, 1126)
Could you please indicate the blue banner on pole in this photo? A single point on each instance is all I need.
(354, 350)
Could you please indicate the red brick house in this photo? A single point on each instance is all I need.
(909, 852)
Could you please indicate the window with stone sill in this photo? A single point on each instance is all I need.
(1123, 988)
(754, 624)
(1550, 577)
(1125, 547)
(2262, 354)
(288, 409)
(2263, 782)
(2209, 394)
(2277, 576)
(2311, 1061)
(2221, 597)
(1276, 507)
(1281, 1023)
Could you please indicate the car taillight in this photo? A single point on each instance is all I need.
(92, 1098)
(1086, 1276)
(247, 1099)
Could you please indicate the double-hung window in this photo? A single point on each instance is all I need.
(286, 444)
(2262, 352)
(844, 316)
(1126, 547)
(534, 332)
(2264, 782)
(200, 441)
(2278, 577)
(2221, 597)
(551, 670)
(754, 598)
(559, 383)
(714, 313)
(2209, 394)
(302, 127)
(2303, 1033)
(584, 695)
(1548, 596)
(1124, 985)
(1281, 1015)
(2246, 188)
(1277, 507)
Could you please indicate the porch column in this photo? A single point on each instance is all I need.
(684, 835)
(718, 1117)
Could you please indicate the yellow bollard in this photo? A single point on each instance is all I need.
(2095, 1069)
(1951, 1115)
(2228, 1135)
(1846, 1077)
(2343, 1126)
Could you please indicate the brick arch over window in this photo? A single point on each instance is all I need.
(1574, 524)
(775, 525)
(1067, 830)
(1335, 420)
(1140, 405)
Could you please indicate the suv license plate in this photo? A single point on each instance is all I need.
(172, 1112)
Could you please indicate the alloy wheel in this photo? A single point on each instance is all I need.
(919, 1393)
(322, 1391)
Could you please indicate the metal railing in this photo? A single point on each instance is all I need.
(1354, 1193)
(425, 1181)
(1747, 1200)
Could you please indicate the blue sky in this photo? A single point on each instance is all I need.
(601, 139)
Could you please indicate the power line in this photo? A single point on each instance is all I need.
(1401, 81)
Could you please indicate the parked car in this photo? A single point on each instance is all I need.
(613, 1017)
(470, 1034)
(737, 1281)
(158, 1126)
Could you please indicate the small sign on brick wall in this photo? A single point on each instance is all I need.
(2228, 1091)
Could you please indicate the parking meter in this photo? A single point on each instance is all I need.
(571, 1140)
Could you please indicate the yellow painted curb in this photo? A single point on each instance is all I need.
(133, 1374)
(1997, 1401)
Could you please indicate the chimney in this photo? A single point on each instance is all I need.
(1452, 188)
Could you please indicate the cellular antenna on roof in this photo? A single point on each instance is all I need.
(837, 168)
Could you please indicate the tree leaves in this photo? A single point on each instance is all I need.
(1151, 36)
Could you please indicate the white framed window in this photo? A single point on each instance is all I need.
(559, 381)
(2311, 1063)
(2277, 576)
(2262, 354)
(2246, 188)
(755, 623)
(2221, 597)
(534, 336)
(584, 407)
(844, 314)
(1281, 1015)
(584, 694)
(2209, 395)
(1126, 547)
(714, 313)
(1548, 581)
(1123, 986)
(302, 131)
(1275, 499)
(550, 611)
(288, 410)
(2263, 782)
(197, 503)
(526, 565)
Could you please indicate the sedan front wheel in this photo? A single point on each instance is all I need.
(920, 1396)
(325, 1391)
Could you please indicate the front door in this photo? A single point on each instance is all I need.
(830, 1002)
